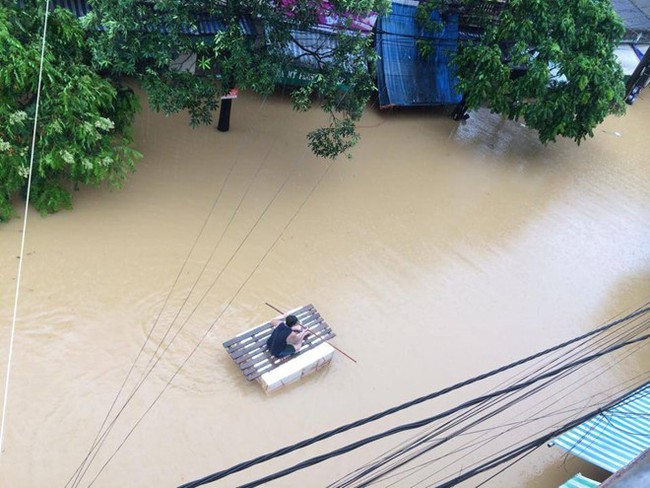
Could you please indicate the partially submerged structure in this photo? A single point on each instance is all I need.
(405, 77)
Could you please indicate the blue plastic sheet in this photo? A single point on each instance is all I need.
(404, 77)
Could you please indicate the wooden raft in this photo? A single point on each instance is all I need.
(249, 350)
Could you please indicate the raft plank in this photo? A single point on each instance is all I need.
(249, 350)
(233, 343)
(251, 347)
(254, 359)
(260, 338)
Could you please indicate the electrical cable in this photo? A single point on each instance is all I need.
(222, 270)
(381, 463)
(531, 445)
(426, 439)
(413, 425)
(382, 460)
(445, 439)
(534, 419)
(514, 444)
(94, 444)
(225, 266)
(203, 269)
(405, 427)
(99, 441)
(269, 250)
(513, 424)
(344, 428)
(525, 373)
(542, 409)
(515, 461)
(24, 230)
(517, 424)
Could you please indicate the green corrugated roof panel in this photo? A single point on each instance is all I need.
(579, 481)
(614, 437)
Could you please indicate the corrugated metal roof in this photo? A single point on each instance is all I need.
(614, 437)
(307, 42)
(636, 17)
(404, 77)
(634, 475)
(77, 7)
(580, 481)
(635, 13)
(308, 51)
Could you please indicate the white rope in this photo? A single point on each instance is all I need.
(22, 240)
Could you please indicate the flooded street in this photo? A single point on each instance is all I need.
(438, 252)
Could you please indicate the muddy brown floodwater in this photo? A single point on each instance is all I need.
(438, 252)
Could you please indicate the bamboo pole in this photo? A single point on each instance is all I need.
(316, 334)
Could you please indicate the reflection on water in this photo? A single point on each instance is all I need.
(438, 252)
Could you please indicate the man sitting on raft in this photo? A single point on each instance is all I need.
(287, 336)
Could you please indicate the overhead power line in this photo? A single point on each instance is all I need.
(420, 423)
(532, 445)
(24, 232)
(280, 452)
(439, 435)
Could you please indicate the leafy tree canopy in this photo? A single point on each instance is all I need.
(84, 119)
(86, 113)
(140, 39)
(548, 62)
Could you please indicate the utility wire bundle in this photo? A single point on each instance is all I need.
(123, 400)
(488, 431)
(117, 408)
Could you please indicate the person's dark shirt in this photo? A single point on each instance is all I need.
(278, 340)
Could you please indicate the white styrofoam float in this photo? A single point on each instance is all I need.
(299, 366)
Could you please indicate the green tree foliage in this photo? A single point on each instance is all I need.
(84, 119)
(548, 62)
(140, 39)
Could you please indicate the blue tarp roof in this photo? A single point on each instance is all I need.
(615, 437)
(403, 76)
(204, 25)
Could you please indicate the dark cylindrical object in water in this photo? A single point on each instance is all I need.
(635, 80)
(224, 115)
